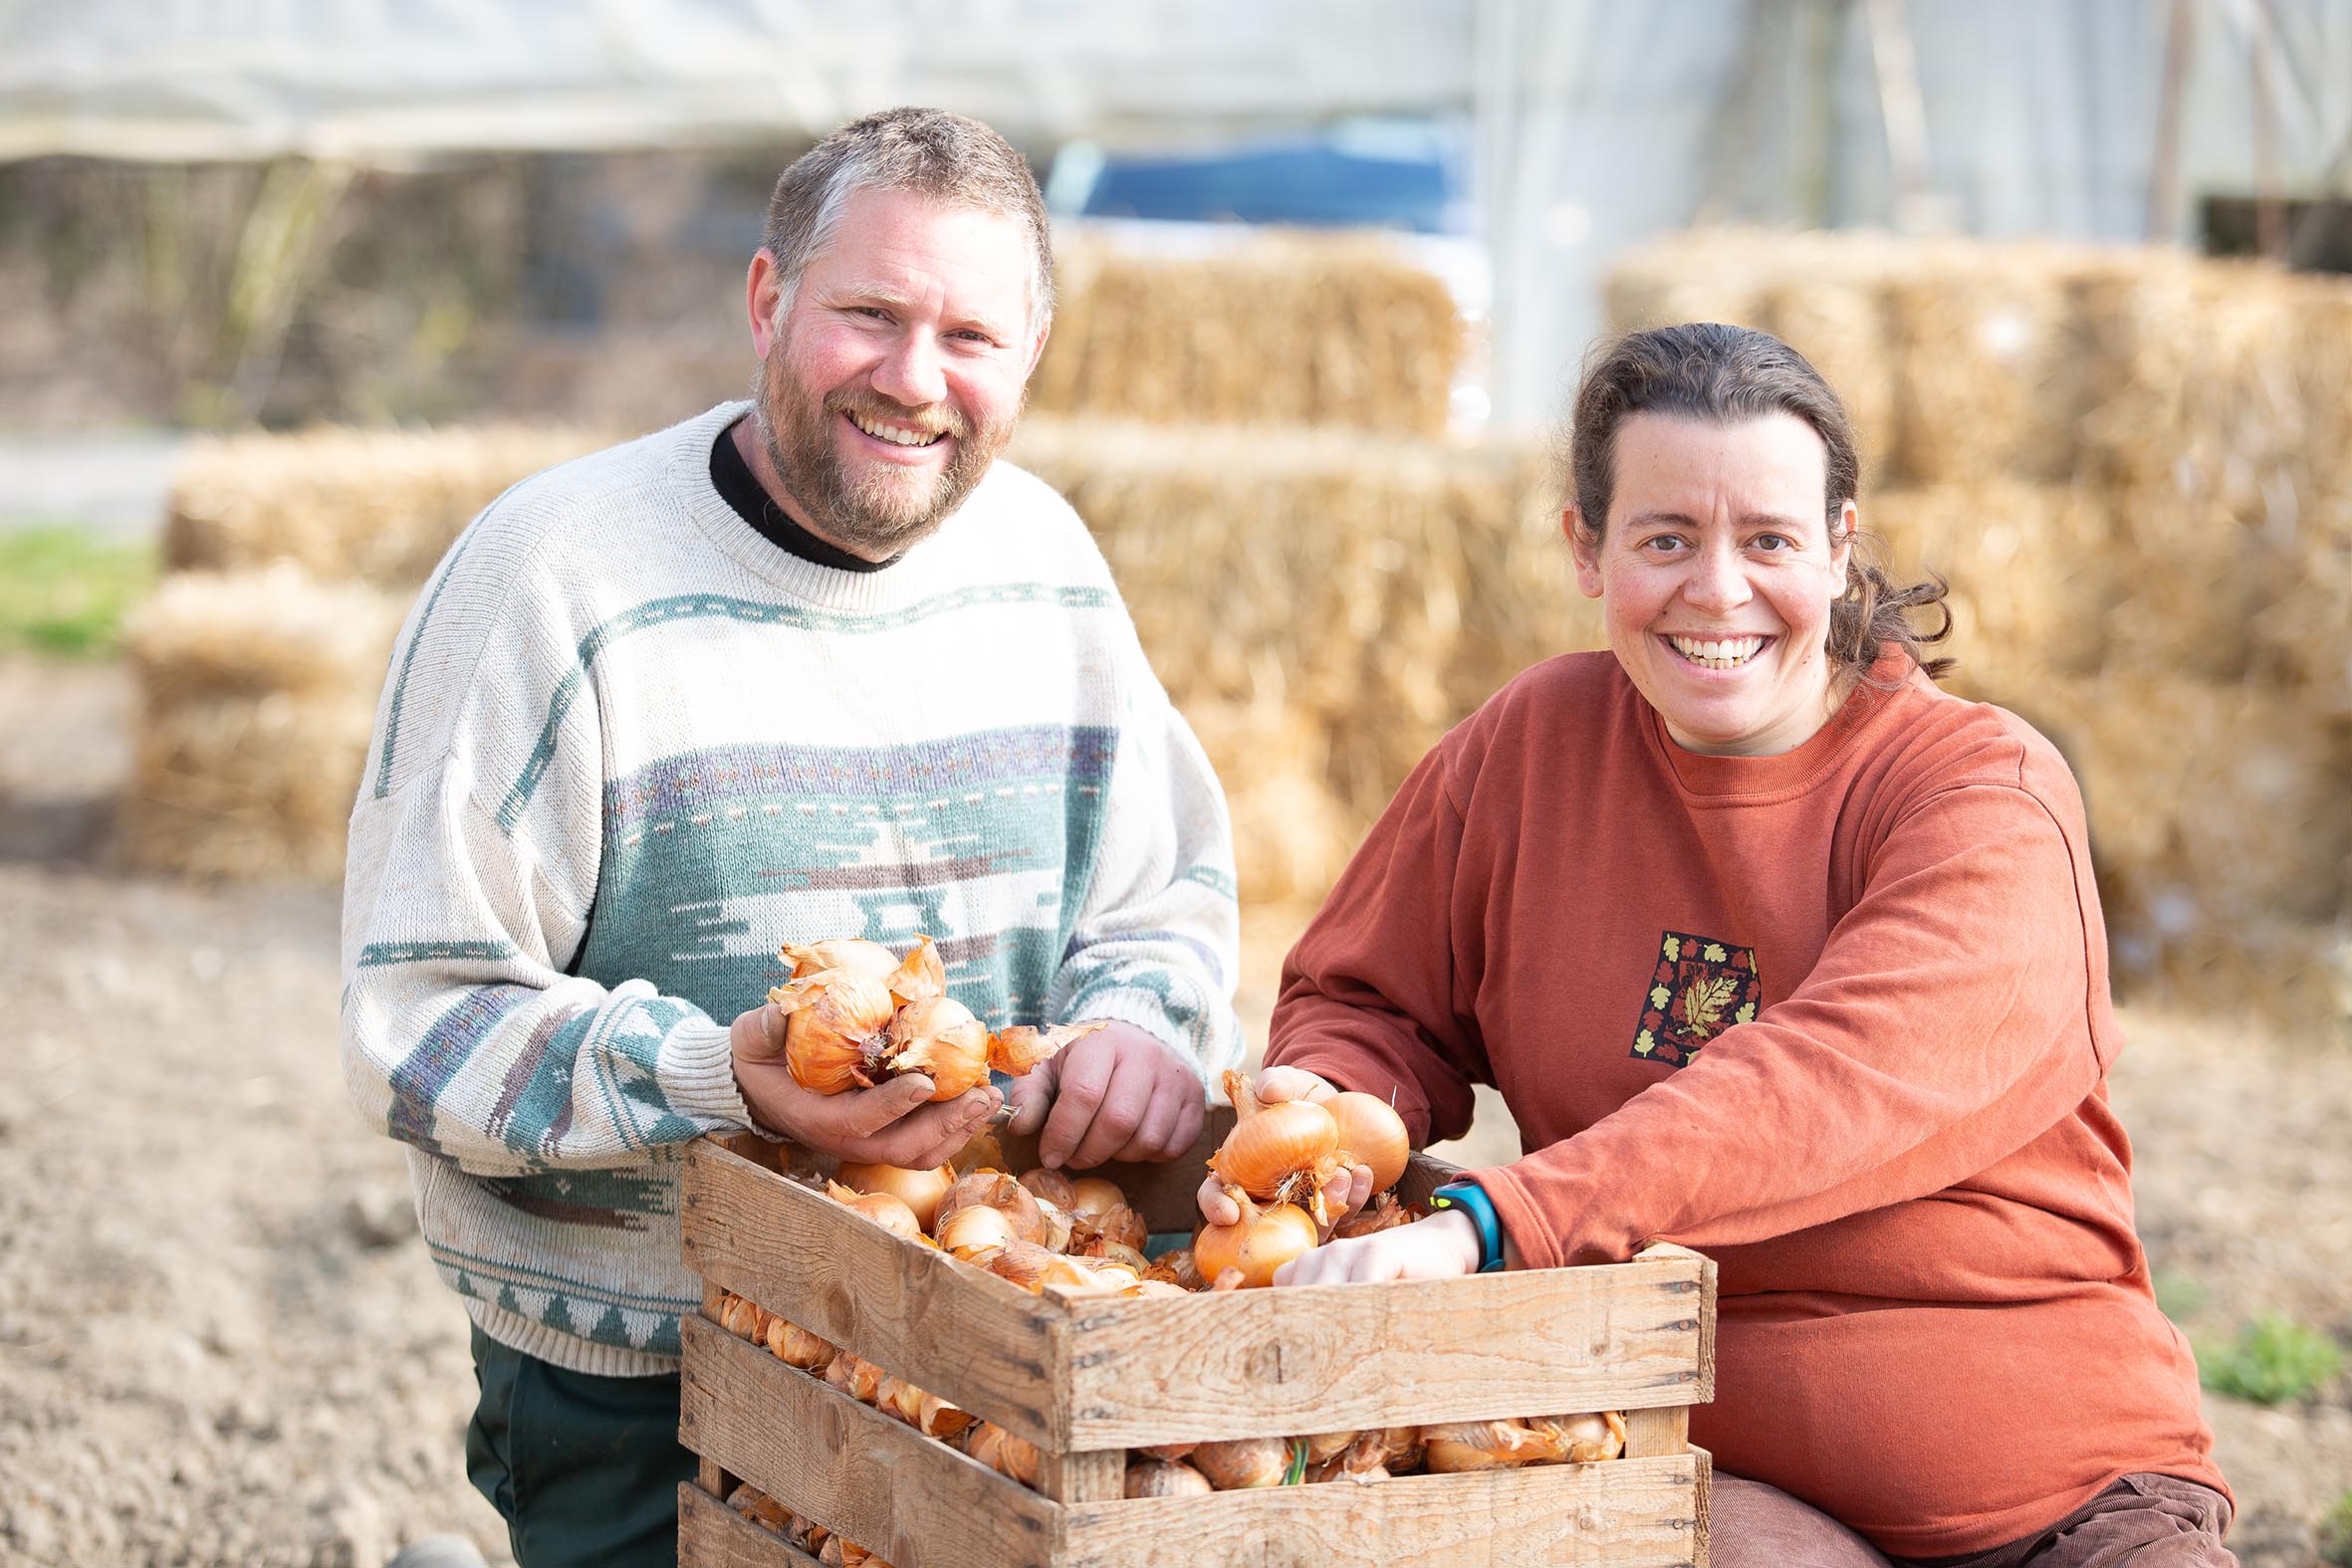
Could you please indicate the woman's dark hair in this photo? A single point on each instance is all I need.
(1706, 370)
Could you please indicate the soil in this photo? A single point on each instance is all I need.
(221, 1342)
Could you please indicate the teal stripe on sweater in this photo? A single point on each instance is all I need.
(377, 953)
(392, 717)
(795, 617)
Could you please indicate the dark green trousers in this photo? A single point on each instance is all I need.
(585, 1469)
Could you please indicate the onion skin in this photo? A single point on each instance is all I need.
(835, 1029)
(1054, 1187)
(1371, 1133)
(1003, 1452)
(1384, 1213)
(1243, 1463)
(1257, 1245)
(856, 1376)
(920, 1191)
(796, 1346)
(891, 1214)
(1458, 1447)
(939, 1037)
(850, 952)
(995, 1190)
(1588, 1439)
(976, 1230)
(1163, 1479)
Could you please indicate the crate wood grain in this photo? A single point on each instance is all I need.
(879, 1482)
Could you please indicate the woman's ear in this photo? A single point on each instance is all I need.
(1585, 545)
(1841, 544)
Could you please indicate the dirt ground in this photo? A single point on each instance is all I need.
(221, 1342)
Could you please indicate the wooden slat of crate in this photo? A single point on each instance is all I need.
(1329, 1358)
(848, 1467)
(713, 1535)
(1625, 1513)
(938, 1324)
(880, 1483)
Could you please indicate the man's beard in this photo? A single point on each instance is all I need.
(880, 513)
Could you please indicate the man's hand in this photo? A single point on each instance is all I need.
(1118, 1095)
(1439, 1248)
(1276, 1085)
(891, 1125)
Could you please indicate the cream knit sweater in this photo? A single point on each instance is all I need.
(627, 746)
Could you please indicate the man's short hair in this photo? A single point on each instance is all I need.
(929, 152)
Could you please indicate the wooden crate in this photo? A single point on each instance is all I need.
(1086, 1378)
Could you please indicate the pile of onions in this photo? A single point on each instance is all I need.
(855, 1015)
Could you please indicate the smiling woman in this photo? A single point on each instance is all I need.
(1777, 951)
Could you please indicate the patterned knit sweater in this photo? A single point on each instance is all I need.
(627, 746)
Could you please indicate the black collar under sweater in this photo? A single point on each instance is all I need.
(741, 489)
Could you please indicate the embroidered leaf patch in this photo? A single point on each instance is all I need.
(1699, 987)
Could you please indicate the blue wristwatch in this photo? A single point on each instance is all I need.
(1473, 1201)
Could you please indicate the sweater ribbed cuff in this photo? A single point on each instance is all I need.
(696, 1071)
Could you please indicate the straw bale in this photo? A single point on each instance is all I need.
(245, 785)
(2209, 805)
(1291, 328)
(379, 505)
(1838, 319)
(1699, 275)
(257, 696)
(1291, 835)
(2303, 633)
(2293, 974)
(1978, 333)
(1379, 588)
(274, 629)
(2030, 567)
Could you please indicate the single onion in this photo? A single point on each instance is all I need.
(856, 1376)
(796, 1346)
(920, 1191)
(1160, 1478)
(1033, 1267)
(1491, 1446)
(1321, 1445)
(1587, 1438)
(1003, 1452)
(1371, 1133)
(936, 1418)
(995, 1190)
(1169, 1451)
(940, 1038)
(762, 1509)
(1092, 1197)
(1243, 1462)
(1403, 1447)
(975, 1229)
(1118, 1227)
(898, 1399)
(742, 1318)
(1051, 1187)
(891, 1214)
(1256, 1245)
(1284, 1153)
(835, 1029)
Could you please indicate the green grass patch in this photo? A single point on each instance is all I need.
(2272, 1361)
(2179, 1296)
(64, 589)
(2335, 1535)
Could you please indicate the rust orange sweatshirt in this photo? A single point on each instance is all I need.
(1837, 1018)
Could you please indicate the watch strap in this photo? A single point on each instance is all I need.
(1472, 1199)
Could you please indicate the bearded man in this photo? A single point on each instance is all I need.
(816, 666)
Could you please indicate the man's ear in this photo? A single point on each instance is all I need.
(1037, 350)
(763, 286)
(1585, 545)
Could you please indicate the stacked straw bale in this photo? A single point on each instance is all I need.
(2135, 469)
(1321, 605)
(257, 692)
(376, 506)
(1272, 327)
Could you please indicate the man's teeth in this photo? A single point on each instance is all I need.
(896, 435)
(1718, 654)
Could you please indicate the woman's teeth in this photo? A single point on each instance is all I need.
(1718, 654)
(896, 435)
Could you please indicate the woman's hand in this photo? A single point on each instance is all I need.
(1439, 1248)
(1342, 1197)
